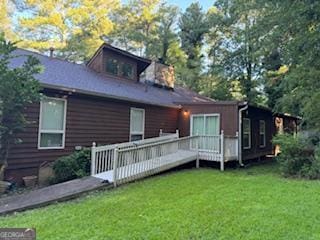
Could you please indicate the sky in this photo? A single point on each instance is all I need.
(183, 4)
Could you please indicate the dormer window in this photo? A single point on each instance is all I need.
(112, 66)
(119, 63)
(119, 68)
(127, 70)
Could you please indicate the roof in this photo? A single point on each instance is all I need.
(61, 74)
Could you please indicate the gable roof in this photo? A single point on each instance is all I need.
(60, 74)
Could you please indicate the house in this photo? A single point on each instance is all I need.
(114, 98)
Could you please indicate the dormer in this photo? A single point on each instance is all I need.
(118, 63)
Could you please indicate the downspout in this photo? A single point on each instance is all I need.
(240, 134)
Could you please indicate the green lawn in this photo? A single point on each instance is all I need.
(253, 203)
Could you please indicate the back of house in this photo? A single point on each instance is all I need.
(119, 97)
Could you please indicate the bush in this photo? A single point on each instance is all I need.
(298, 157)
(70, 167)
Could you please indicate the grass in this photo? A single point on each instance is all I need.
(253, 203)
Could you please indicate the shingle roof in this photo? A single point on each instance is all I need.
(60, 74)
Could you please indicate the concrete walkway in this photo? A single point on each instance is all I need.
(54, 193)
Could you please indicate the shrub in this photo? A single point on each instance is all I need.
(70, 167)
(298, 157)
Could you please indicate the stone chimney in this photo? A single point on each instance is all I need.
(160, 74)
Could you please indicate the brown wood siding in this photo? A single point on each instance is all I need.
(228, 117)
(255, 115)
(89, 119)
(96, 63)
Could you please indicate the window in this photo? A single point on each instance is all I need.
(206, 125)
(246, 133)
(136, 124)
(127, 70)
(112, 66)
(52, 123)
(262, 133)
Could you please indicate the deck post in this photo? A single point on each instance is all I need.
(115, 166)
(93, 159)
(160, 132)
(222, 151)
(198, 155)
(177, 132)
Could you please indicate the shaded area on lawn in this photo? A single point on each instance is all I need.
(252, 203)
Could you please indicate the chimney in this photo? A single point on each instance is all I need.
(51, 51)
(160, 74)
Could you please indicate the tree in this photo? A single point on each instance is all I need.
(166, 36)
(75, 28)
(292, 27)
(136, 25)
(5, 19)
(234, 42)
(193, 27)
(18, 88)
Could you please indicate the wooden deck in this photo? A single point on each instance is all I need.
(150, 166)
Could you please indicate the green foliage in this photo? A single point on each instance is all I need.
(292, 27)
(193, 27)
(299, 156)
(70, 167)
(74, 28)
(18, 89)
(234, 46)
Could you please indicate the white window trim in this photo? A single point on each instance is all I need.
(53, 131)
(143, 122)
(247, 147)
(204, 122)
(264, 133)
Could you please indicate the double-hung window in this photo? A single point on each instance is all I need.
(246, 133)
(52, 123)
(136, 124)
(262, 133)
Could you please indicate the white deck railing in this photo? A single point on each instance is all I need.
(102, 156)
(132, 160)
(139, 161)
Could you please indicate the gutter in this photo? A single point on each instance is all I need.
(240, 133)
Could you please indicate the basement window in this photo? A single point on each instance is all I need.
(137, 118)
(246, 133)
(52, 123)
(262, 133)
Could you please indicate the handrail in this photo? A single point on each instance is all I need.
(156, 143)
(139, 142)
